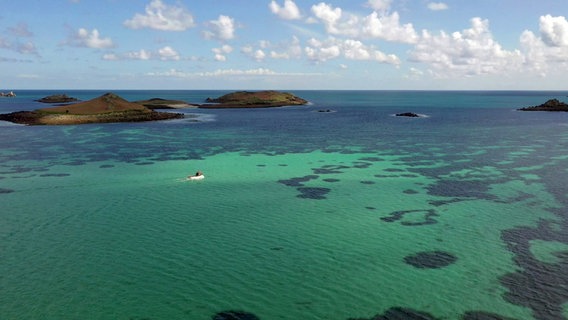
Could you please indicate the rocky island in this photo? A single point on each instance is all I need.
(550, 105)
(106, 108)
(57, 98)
(259, 99)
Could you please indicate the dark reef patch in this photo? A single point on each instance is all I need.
(298, 181)
(106, 166)
(372, 159)
(331, 180)
(399, 313)
(482, 315)
(367, 182)
(4, 190)
(313, 193)
(410, 191)
(430, 259)
(462, 188)
(399, 215)
(234, 315)
(55, 175)
(330, 169)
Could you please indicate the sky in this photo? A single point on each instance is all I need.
(284, 44)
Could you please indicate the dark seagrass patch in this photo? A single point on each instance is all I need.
(430, 259)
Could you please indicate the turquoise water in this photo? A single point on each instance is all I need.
(302, 215)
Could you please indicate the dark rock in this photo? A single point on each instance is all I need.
(408, 114)
(550, 105)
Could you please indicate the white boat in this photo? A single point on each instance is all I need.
(199, 177)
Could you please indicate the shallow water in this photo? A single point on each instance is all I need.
(302, 215)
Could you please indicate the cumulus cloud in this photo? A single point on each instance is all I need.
(548, 49)
(437, 6)
(221, 29)
(388, 27)
(168, 53)
(472, 51)
(160, 16)
(554, 30)
(289, 49)
(289, 11)
(89, 39)
(221, 53)
(378, 25)
(138, 55)
(332, 48)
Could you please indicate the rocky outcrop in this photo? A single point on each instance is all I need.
(258, 99)
(57, 98)
(550, 105)
(408, 114)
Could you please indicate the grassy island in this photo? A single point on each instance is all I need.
(259, 99)
(106, 108)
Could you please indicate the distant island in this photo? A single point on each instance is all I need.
(258, 99)
(550, 105)
(106, 108)
(158, 103)
(58, 98)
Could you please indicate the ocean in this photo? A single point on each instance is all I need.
(348, 214)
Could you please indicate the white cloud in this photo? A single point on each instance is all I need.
(161, 16)
(221, 29)
(332, 48)
(437, 6)
(376, 25)
(287, 50)
(168, 53)
(138, 55)
(388, 27)
(380, 5)
(554, 30)
(289, 11)
(549, 51)
(220, 53)
(110, 57)
(216, 73)
(89, 39)
(470, 52)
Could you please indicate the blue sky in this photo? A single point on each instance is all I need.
(284, 44)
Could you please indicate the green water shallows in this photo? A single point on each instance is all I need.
(126, 241)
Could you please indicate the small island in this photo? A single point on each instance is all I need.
(550, 105)
(259, 99)
(106, 108)
(158, 103)
(57, 98)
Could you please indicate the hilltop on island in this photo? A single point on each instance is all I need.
(158, 103)
(106, 108)
(259, 99)
(550, 105)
